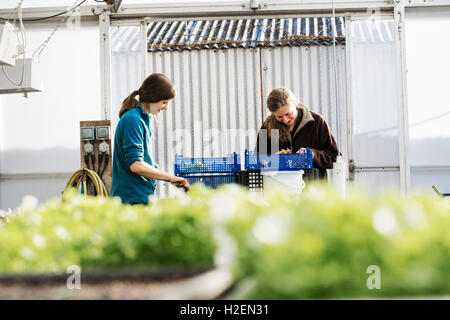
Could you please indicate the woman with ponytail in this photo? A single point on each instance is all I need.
(134, 171)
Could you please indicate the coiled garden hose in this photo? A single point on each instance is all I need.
(82, 176)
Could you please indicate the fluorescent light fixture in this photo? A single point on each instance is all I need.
(31, 79)
(8, 44)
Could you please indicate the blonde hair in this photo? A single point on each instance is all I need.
(280, 97)
(276, 99)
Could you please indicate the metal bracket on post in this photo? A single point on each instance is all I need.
(351, 170)
(255, 5)
(105, 64)
(402, 99)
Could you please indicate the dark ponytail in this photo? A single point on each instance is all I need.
(130, 102)
(155, 88)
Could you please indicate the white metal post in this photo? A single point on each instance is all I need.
(402, 99)
(105, 65)
(349, 89)
(144, 49)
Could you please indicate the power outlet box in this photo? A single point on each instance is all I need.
(89, 129)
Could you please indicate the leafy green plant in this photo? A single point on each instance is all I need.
(97, 233)
(316, 245)
(320, 245)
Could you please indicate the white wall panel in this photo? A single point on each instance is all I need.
(374, 103)
(40, 134)
(43, 188)
(428, 102)
(376, 182)
(374, 95)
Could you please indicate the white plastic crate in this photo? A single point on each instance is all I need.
(288, 181)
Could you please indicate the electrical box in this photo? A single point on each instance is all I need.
(87, 133)
(8, 44)
(98, 132)
(31, 79)
(102, 133)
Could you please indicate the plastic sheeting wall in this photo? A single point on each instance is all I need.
(374, 103)
(428, 102)
(40, 135)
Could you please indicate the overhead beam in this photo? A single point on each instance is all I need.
(228, 8)
(235, 8)
(35, 13)
(425, 3)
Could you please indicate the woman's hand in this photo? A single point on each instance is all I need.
(304, 151)
(180, 182)
(144, 169)
(287, 151)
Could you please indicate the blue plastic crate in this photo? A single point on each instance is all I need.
(280, 162)
(184, 165)
(211, 180)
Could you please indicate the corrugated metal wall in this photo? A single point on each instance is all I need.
(218, 108)
(127, 76)
(218, 105)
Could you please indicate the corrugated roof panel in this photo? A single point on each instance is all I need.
(302, 26)
(259, 30)
(294, 26)
(178, 33)
(320, 27)
(235, 33)
(340, 27)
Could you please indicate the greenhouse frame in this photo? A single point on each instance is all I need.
(120, 47)
(374, 71)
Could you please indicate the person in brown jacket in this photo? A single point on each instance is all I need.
(291, 126)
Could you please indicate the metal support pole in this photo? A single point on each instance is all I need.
(349, 89)
(105, 65)
(144, 48)
(402, 99)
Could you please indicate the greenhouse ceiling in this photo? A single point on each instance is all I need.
(6, 4)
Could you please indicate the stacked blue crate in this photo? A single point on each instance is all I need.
(212, 172)
(278, 162)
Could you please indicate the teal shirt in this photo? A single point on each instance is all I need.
(131, 144)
